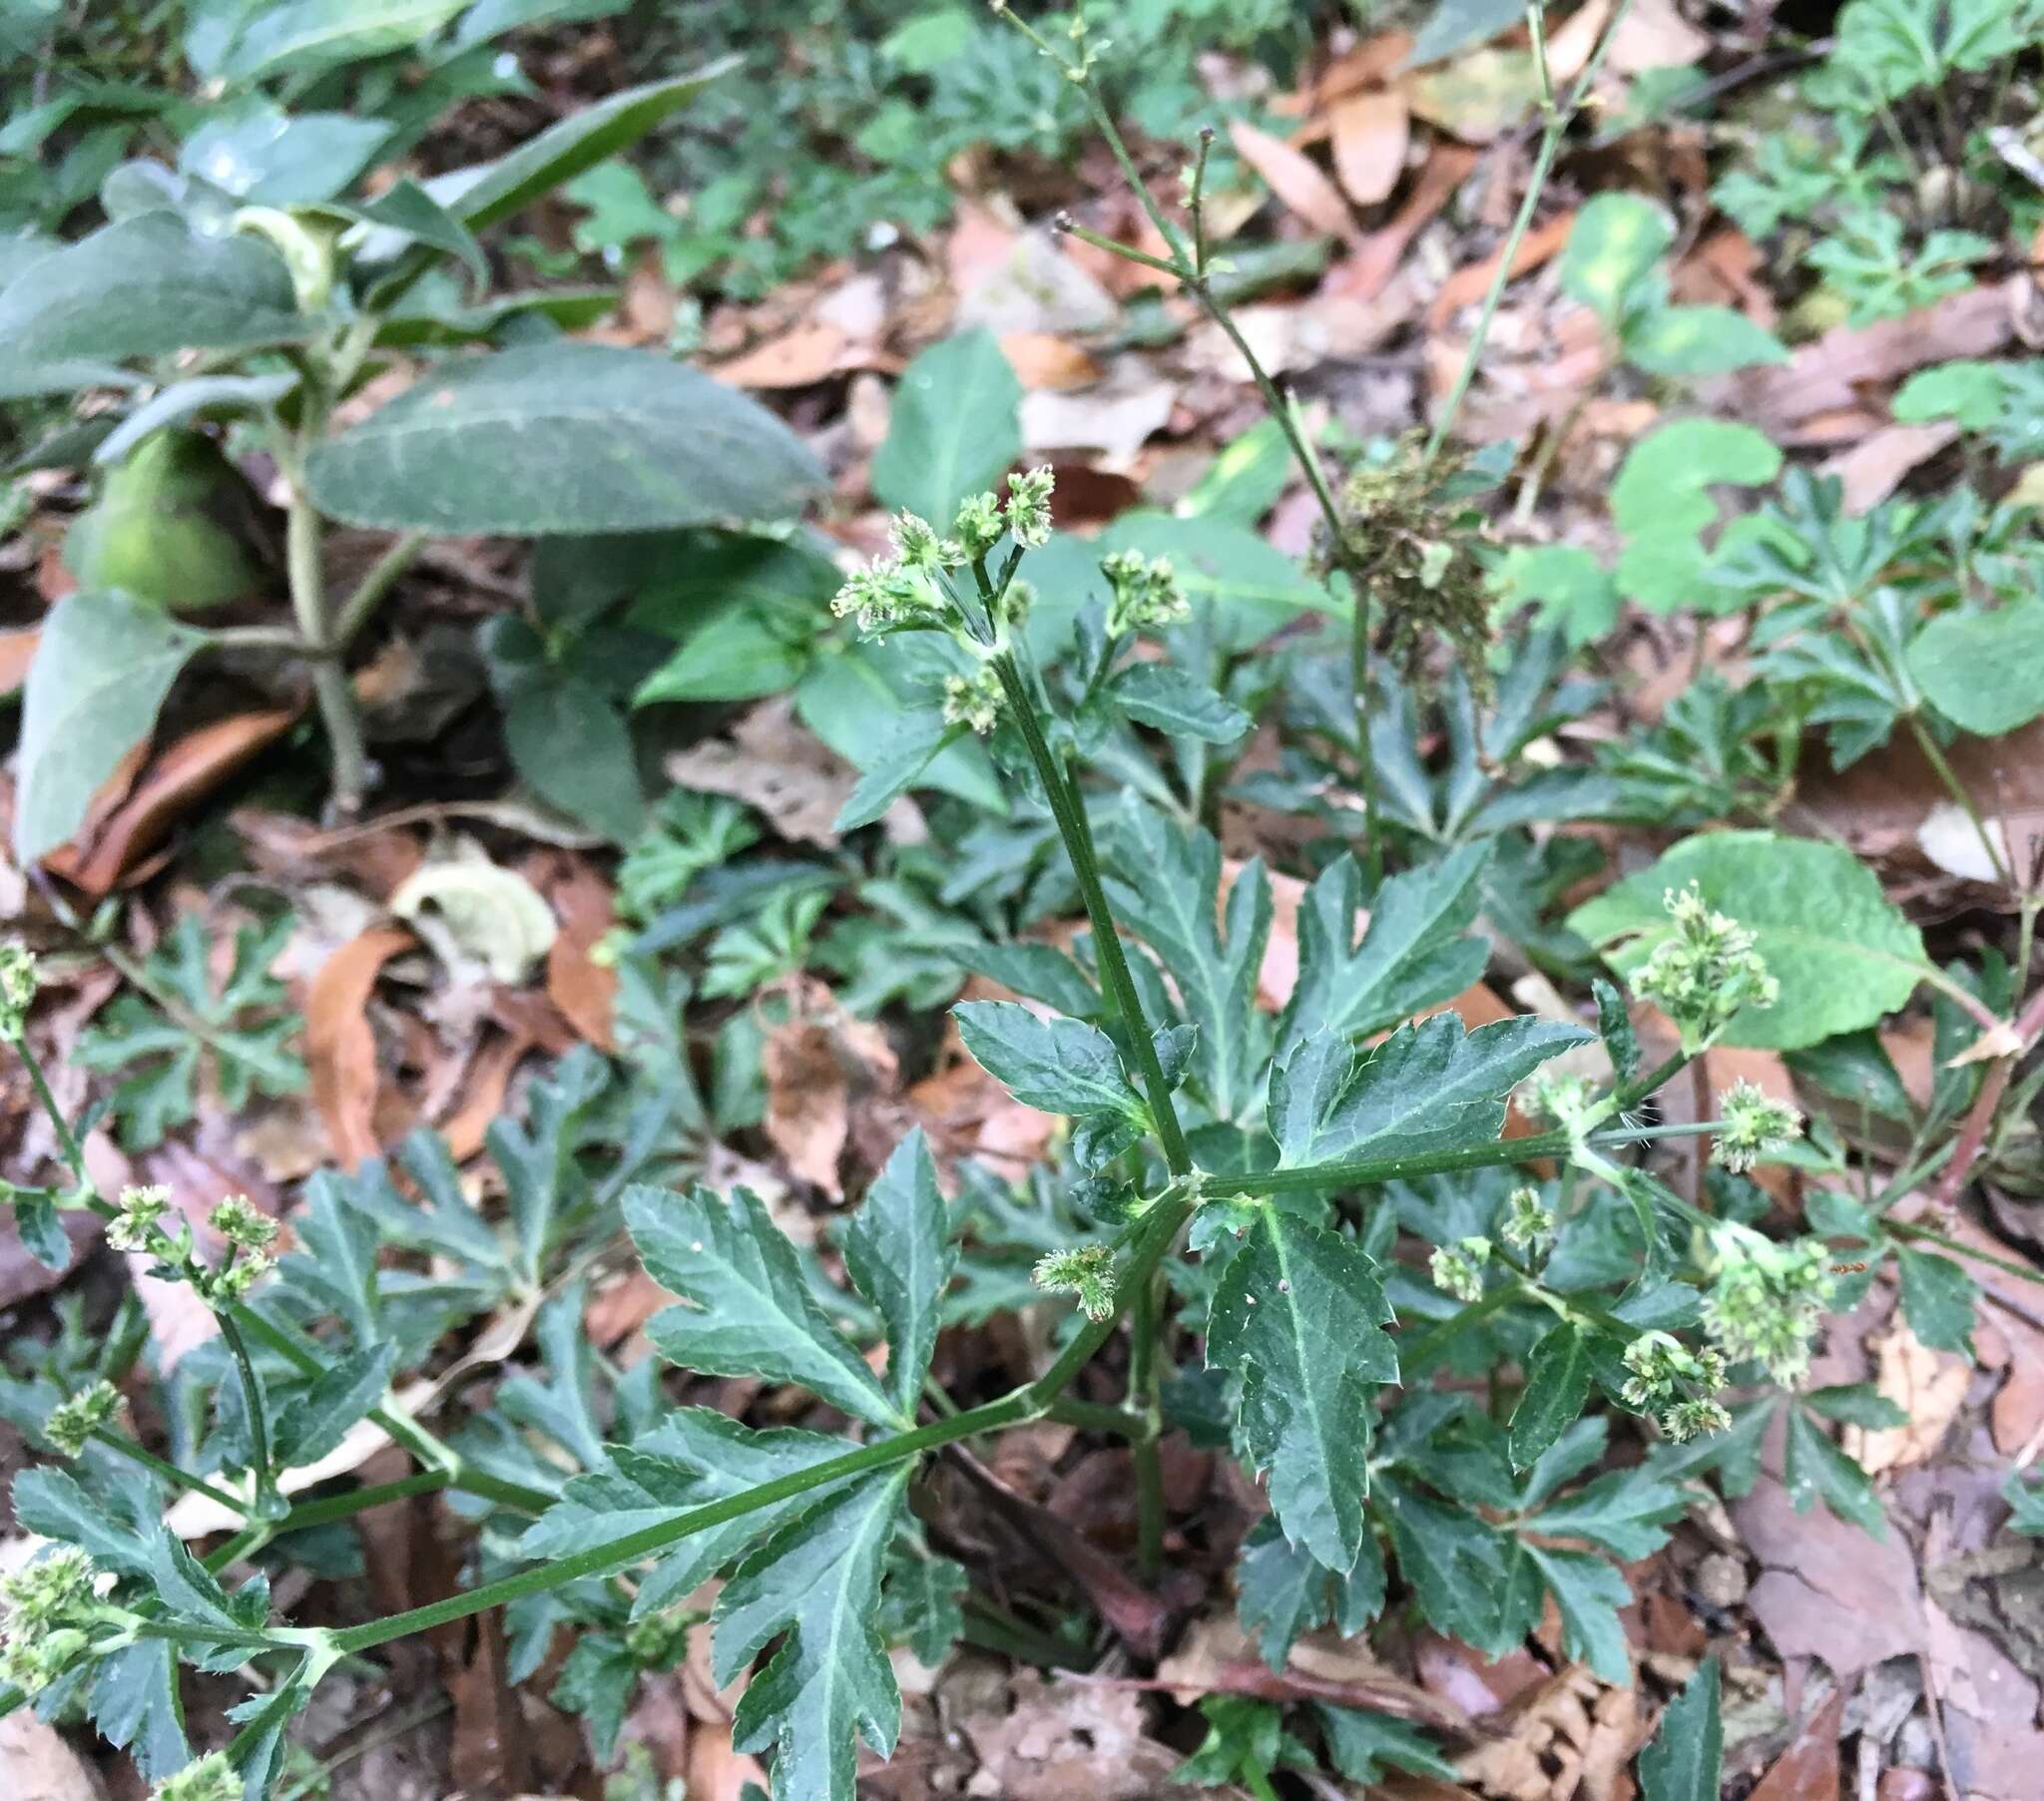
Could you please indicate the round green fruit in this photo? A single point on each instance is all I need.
(169, 526)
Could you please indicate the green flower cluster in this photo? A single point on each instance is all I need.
(17, 991)
(1457, 1269)
(73, 1421)
(1703, 972)
(212, 1779)
(1143, 595)
(45, 1607)
(1087, 1272)
(1768, 1300)
(1675, 1384)
(1529, 1220)
(138, 1226)
(1756, 1127)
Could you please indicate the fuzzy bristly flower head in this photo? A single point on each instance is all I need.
(1696, 1417)
(891, 597)
(243, 1226)
(1028, 508)
(1087, 1272)
(1529, 1220)
(1142, 593)
(17, 990)
(1662, 1367)
(979, 525)
(1768, 1300)
(137, 1223)
(42, 1607)
(212, 1779)
(1756, 1125)
(1703, 971)
(73, 1421)
(973, 701)
(1457, 1269)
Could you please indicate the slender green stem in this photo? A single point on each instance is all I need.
(1425, 1347)
(1929, 1236)
(125, 1446)
(66, 1140)
(305, 571)
(1953, 786)
(270, 1505)
(1153, 1239)
(390, 1728)
(1069, 811)
(993, 1629)
(1556, 121)
(382, 574)
(1091, 1416)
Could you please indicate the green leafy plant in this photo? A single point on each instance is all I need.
(294, 307)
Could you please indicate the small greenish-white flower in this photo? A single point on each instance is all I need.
(1028, 508)
(212, 1779)
(889, 597)
(1756, 1127)
(1768, 1300)
(1087, 1272)
(973, 700)
(1457, 1269)
(1698, 1415)
(1663, 1368)
(918, 544)
(659, 1640)
(17, 990)
(978, 524)
(73, 1421)
(243, 1226)
(1561, 1098)
(137, 1225)
(1529, 1220)
(1143, 595)
(1703, 971)
(49, 1590)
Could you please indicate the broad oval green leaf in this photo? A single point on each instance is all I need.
(146, 287)
(562, 438)
(1616, 240)
(956, 428)
(1983, 671)
(100, 675)
(1842, 953)
(302, 35)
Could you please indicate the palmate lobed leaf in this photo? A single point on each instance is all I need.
(899, 1254)
(1429, 1087)
(1299, 1316)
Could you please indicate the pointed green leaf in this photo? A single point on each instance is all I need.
(748, 1311)
(1557, 1385)
(1166, 888)
(341, 1395)
(1415, 954)
(1938, 1298)
(1283, 1590)
(597, 1682)
(1429, 1087)
(920, 1606)
(136, 1707)
(1682, 1761)
(898, 1254)
(1814, 1469)
(1036, 972)
(100, 675)
(562, 437)
(694, 1456)
(903, 749)
(1061, 1066)
(1156, 695)
(110, 1526)
(1451, 1559)
(818, 1581)
(956, 428)
(1298, 1317)
(1363, 1745)
(1626, 1511)
(1588, 1593)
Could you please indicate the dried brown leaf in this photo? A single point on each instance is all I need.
(1295, 178)
(1371, 130)
(341, 1046)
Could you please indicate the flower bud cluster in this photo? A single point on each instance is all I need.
(138, 1226)
(1457, 1269)
(1675, 1384)
(45, 1607)
(1756, 1125)
(1087, 1272)
(910, 590)
(73, 1421)
(212, 1779)
(1703, 971)
(17, 990)
(1142, 593)
(1768, 1300)
(1529, 1220)
(973, 700)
